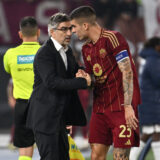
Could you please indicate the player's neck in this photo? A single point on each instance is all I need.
(96, 29)
(30, 39)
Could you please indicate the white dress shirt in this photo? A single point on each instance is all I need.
(61, 50)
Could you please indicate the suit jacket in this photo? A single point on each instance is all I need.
(54, 93)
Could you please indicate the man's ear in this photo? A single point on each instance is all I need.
(38, 32)
(20, 35)
(85, 26)
(51, 32)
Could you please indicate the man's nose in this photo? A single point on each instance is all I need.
(69, 32)
(73, 30)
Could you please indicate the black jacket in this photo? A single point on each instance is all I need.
(55, 91)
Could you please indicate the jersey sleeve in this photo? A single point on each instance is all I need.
(86, 59)
(5, 61)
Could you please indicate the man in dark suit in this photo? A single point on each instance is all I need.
(54, 102)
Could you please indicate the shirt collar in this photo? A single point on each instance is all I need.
(30, 43)
(58, 46)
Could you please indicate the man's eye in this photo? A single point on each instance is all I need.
(64, 29)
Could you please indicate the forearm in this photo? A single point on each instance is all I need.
(127, 80)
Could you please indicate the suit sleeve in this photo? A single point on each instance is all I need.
(46, 67)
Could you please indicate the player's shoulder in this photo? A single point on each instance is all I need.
(111, 35)
(110, 32)
(11, 51)
(114, 37)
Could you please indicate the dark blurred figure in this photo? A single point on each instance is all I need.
(106, 12)
(149, 110)
(130, 24)
(127, 9)
(72, 4)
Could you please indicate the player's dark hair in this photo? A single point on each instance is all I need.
(152, 42)
(86, 13)
(28, 26)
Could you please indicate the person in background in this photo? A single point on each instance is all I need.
(116, 92)
(54, 102)
(18, 62)
(149, 110)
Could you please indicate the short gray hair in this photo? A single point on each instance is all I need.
(56, 19)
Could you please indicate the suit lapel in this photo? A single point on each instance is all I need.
(69, 59)
(70, 62)
(59, 58)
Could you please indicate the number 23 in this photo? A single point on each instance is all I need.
(124, 128)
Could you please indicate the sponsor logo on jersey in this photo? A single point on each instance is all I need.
(24, 69)
(128, 142)
(25, 59)
(101, 79)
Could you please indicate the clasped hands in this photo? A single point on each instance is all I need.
(82, 74)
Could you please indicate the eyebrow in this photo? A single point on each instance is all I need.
(66, 26)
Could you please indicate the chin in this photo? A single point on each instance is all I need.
(67, 43)
(81, 38)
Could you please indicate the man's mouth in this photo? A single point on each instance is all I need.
(68, 39)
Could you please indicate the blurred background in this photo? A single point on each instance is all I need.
(136, 20)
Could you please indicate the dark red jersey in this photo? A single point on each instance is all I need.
(99, 59)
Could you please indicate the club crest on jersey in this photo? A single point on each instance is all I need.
(102, 52)
(97, 69)
(88, 58)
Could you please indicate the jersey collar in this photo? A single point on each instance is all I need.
(30, 43)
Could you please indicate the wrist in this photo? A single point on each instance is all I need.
(127, 105)
(88, 83)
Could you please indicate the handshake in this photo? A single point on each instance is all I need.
(82, 74)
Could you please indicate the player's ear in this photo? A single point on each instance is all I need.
(38, 32)
(85, 26)
(20, 35)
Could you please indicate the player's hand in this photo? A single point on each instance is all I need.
(11, 102)
(130, 117)
(81, 73)
(70, 129)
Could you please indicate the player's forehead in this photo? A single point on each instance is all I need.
(74, 22)
(77, 22)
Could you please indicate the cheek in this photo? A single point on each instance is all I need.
(81, 32)
(62, 36)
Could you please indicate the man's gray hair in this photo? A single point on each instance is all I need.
(56, 19)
